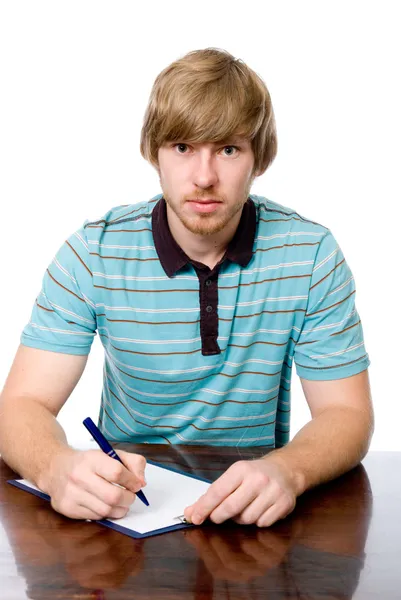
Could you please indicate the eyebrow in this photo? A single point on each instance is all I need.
(227, 141)
(233, 140)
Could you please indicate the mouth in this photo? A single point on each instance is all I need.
(207, 205)
(204, 200)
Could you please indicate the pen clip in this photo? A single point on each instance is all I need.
(182, 519)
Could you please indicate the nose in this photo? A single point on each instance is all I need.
(205, 171)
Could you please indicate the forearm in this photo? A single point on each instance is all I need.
(328, 446)
(30, 436)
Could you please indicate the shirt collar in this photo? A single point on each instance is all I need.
(173, 257)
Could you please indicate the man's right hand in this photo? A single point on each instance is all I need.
(81, 485)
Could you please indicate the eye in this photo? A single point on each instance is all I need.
(233, 148)
(181, 148)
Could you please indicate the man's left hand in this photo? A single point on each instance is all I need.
(257, 491)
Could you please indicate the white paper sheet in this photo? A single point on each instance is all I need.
(168, 494)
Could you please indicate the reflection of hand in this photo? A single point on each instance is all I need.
(241, 555)
(259, 491)
(99, 558)
(43, 542)
(80, 484)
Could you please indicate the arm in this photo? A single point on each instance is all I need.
(265, 490)
(37, 387)
(328, 353)
(34, 444)
(337, 437)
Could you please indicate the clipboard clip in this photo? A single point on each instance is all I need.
(182, 519)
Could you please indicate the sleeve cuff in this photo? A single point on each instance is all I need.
(41, 345)
(335, 373)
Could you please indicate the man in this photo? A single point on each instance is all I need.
(203, 297)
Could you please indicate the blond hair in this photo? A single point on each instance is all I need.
(208, 96)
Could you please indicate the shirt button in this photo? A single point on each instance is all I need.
(209, 309)
(208, 282)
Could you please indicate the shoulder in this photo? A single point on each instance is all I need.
(118, 215)
(114, 230)
(272, 215)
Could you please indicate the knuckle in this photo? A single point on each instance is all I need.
(103, 511)
(62, 506)
(128, 499)
(260, 479)
(213, 494)
(230, 506)
(276, 488)
(289, 504)
(76, 474)
(116, 470)
(240, 465)
(114, 497)
(141, 461)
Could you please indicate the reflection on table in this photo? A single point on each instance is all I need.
(316, 552)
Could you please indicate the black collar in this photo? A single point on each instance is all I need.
(173, 258)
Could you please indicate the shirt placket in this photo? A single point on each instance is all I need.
(209, 319)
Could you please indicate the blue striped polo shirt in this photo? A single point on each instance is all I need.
(196, 355)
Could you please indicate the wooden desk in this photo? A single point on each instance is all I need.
(342, 541)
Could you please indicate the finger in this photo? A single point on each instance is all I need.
(136, 463)
(268, 552)
(218, 491)
(115, 472)
(213, 561)
(111, 494)
(277, 511)
(81, 505)
(88, 501)
(237, 565)
(188, 511)
(234, 504)
(100, 508)
(255, 509)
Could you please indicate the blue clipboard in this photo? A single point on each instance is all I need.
(131, 533)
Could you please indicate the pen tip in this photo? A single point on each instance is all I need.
(142, 496)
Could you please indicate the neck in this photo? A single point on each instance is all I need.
(207, 249)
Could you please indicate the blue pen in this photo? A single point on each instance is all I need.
(107, 449)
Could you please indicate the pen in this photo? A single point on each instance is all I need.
(107, 449)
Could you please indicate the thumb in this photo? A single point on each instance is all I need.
(136, 463)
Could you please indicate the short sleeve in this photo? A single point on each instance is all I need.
(63, 317)
(331, 344)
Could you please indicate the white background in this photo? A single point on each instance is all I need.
(75, 79)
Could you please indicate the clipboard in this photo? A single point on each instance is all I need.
(169, 491)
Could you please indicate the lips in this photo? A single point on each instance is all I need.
(204, 206)
(207, 201)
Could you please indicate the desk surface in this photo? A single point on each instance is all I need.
(342, 541)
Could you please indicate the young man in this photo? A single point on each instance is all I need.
(203, 297)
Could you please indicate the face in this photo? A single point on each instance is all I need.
(205, 185)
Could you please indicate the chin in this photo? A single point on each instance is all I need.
(204, 226)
